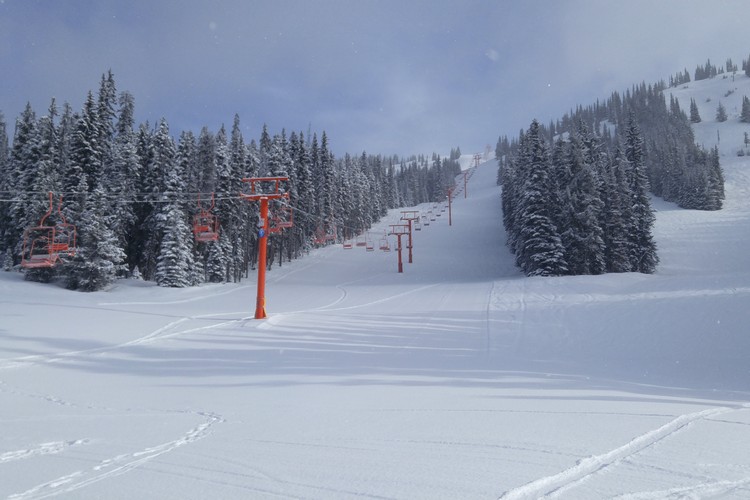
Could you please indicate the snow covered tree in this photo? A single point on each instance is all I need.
(745, 113)
(99, 257)
(539, 249)
(643, 256)
(721, 113)
(616, 214)
(582, 235)
(160, 168)
(695, 117)
(174, 259)
(5, 187)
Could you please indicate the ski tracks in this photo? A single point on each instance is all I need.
(41, 449)
(120, 464)
(571, 477)
(117, 465)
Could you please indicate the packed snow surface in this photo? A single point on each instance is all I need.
(459, 378)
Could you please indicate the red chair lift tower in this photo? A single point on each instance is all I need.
(46, 246)
(205, 223)
(399, 230)
(263, 189)
(410, 216)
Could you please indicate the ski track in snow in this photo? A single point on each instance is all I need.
(702, 490)
(161, 333)
(41, 449)
(551, 486)
(117, 465)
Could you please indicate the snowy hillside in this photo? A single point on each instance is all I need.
(459, 378)
(727, 90)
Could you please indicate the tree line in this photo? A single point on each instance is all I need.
(571, 208)
(132, 191)
(575, 192)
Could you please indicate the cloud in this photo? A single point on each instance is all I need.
(380, 75)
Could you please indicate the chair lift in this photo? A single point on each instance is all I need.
(282, 218)
(331, 233)
(348, 245)
(325, 233)
(361, 241)
(385, 245)
(369, 244)
(320, 237)
(417, 225)
(46, 246)
(205, 223)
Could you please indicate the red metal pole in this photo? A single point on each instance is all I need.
(410, 244)
(260, 305)
(450, 216)
(400, 263)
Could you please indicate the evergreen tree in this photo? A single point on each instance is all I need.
(695, 117)
(745, 113)
(615, 195)
(721, 113)
(126, 172)
(161, 165)
(304, 221)
(643, 258)
(173, 239)
(225, 210)
(99, 257)
(85, 153)
(539, 249)
(327, 195)
(583, 234)
(5, 188)
(190, 172)
(27, 209)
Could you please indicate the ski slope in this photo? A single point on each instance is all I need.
(459, 378)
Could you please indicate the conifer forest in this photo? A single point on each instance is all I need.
(575, 193)
(133, 191)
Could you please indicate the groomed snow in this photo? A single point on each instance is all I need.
(459, 378)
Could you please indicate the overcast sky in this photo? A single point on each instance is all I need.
(382, 76)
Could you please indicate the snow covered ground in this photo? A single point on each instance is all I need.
(459, 378)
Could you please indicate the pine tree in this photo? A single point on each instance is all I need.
(721, 113)
(5, 187)
(26, 210)
(539, 249)
(85, 152)
(616, 195)
(304, 222)
(695, 117)
(161, 164)
(745, 113)
(327, 195)
(583, 236)
(225, 210)
(644, 257)
(174, 259)
(99, 257)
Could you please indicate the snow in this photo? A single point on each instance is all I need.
(459, 378)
